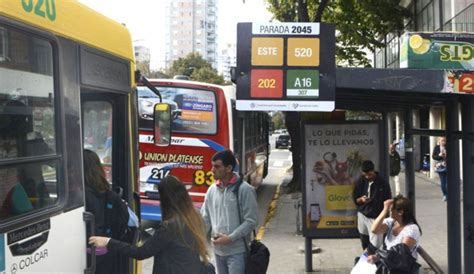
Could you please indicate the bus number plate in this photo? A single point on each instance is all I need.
(159, 174)
(201, 177)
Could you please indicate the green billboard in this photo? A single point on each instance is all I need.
(437, 50)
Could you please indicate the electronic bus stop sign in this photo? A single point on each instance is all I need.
(285, 67)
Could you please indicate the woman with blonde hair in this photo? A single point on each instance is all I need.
(178, 244)
(439, 156)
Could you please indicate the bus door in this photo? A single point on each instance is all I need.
(107, 133)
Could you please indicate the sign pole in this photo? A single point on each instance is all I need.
(308, 252)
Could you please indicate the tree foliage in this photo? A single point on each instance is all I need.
(359, 23)
(277, 120)
(207, 75)
(144, 68)
(198, 69)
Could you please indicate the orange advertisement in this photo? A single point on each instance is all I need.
(194, 115)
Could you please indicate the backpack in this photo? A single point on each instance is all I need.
(116, 217)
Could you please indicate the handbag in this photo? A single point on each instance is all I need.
(398, 259)
(257, 255)
(440, 166)
(208, 268)
(258, 258)
(363, 266)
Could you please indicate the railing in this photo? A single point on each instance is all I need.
(463, 21)
(433, 265)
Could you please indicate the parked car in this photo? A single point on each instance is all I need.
(283, 141)
(280, 131)
(146, 103)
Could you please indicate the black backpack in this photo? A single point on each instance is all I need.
(110, 212)
(115, 217)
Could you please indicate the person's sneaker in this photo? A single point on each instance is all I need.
(444, 198)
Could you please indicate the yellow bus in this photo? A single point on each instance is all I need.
(67, 81)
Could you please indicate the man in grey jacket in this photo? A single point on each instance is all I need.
(221, 214)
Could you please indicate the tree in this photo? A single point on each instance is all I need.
(359, 24)
(158, 74)
(144, 68)
(277, 120)
(207, 75)
(198, 69)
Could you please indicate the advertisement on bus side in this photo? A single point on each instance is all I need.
(187, 158)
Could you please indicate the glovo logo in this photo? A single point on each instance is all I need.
(339, 197)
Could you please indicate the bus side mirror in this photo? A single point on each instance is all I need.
(233, 75)
(162, 124)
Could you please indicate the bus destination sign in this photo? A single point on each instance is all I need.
(285, 67)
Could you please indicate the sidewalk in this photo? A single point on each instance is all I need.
(337, 255)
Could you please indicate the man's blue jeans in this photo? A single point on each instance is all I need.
(232, 264)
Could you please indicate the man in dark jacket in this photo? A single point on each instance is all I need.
(394, 169)
(370, 192)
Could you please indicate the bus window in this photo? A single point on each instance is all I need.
(28, 178)
(3, 44)
(193, 110)
(98, 132)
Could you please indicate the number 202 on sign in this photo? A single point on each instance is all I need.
(266, 83)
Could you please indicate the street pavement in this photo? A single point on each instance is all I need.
(337, 255)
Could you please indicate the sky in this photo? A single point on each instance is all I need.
(146, 24)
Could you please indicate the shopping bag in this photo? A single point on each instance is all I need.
(363, 266)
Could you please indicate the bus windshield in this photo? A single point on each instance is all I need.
(193, 110)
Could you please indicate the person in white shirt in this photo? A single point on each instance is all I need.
(400, 227)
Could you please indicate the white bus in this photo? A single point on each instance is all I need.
(66, 82)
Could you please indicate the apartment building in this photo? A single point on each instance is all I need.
(142, 54)
(191, 26)
(227, 59)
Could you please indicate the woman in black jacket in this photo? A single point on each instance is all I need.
(110, 212)
(178, 244)
(439, 155)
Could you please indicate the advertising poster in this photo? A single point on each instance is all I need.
(437, 50)
(460, 81)
(333, 155)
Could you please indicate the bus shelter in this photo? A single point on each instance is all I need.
(407, 90)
